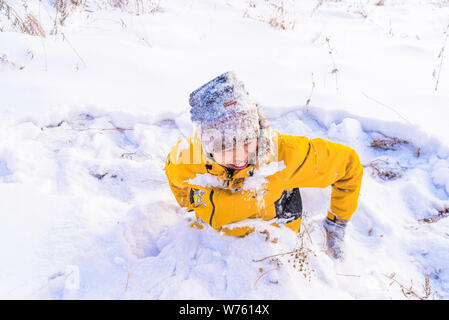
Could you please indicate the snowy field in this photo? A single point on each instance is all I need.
(93, 97)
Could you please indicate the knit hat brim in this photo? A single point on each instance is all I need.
(233, 130)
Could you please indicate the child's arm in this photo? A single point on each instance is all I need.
(329, 164)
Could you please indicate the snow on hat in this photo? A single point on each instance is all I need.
(224, 112)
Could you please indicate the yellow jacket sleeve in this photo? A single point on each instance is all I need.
(326, 164)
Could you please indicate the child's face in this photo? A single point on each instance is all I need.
(237, 157)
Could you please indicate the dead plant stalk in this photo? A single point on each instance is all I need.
(409, 291)
(440, 56)
(334, 70)
(255, 283)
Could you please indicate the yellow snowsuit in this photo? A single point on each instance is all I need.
(307, 163)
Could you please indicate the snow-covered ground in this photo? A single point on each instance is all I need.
(88, 114)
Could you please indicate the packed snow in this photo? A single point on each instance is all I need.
(207, 180)
(90, 109)
(258, 179)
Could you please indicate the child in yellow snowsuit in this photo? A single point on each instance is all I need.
(235, 167)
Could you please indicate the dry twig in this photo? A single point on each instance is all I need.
(311, 92)
(442, 213)
(4, 59)
(440, 64)
(348, 275)
(407, 292)
(334, 70)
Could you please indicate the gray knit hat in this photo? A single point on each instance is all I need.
(224, 112)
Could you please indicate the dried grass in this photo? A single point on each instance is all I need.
(280, 16)
(35, 26)
(137, 7)
(297, 258)
(28, 24)
(300, 261)
(65, 8)
(334, 69)
(410, 291)
(264, 273)
(384, 173)
(24, 21)
(348, 275)
(442, 213)
(4, 59)
(437, 71)
(387, 143)
(268, 236)
(311, 93)
(278, 19)
(99, 176)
